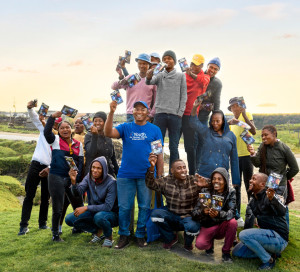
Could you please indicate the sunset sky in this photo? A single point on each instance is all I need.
(65, 51)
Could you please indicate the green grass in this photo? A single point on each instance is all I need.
(17, 129)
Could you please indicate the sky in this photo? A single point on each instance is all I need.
(64, 52)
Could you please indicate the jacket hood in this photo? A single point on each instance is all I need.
(103, 162)
(224, 174)
(225, 124)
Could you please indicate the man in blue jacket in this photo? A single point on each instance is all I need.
(101, 215)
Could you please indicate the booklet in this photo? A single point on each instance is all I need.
(241, 102)
(68, 111)
(133, 80)
(71, 163)
(119, 62)
(247, 138)
(127, 56)
(43, 109)
(183, 64)
(207, 106)
(217, 202)
(116, 96)
(87, 121)
(243, 125)
(159, 68)
(204, 96)
(274, 180)
(205, 199)
(156, 147)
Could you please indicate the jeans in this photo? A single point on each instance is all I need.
(259, 243)
(32, 181)
(92, 222)
(173, 123)
(129, 118)
(58, 186)
(189, 135)
(168, 222)
(127, 188)
(198, 146)
(226, 229)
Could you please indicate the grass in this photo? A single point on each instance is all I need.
(17, 129)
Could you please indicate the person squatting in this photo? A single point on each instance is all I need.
(201, 199)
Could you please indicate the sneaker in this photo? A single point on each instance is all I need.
(210, 251)
(240, 222)
(44, 227)
(107, 243)
(226, 258)
(168, 246)
(23, 231)
(56, 238)
(123, 242)
(141, 242)
(267, 266)
(188, 248)
(96, 239)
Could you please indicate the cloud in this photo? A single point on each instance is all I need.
(286, 36)
(100, 101)
(273, 11)
(267, 105)
(175, 20)
(11, 69)
(75, 63)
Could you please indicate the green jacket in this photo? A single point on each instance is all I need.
(279, 159)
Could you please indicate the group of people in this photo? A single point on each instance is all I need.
(180, 103)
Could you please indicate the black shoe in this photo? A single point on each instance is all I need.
(23, 231)
(123, 242)
(44, 227)
(267, 266)
(56, 238)
(141, 242)
(210, 251)
(76, 231)
(226, 258)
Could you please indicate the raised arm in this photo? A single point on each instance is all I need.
(109, 131)
(194, 121)
(50, 137)
(249, 122)
(35, 118)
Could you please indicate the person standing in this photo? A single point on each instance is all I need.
(38, 172)
(137, 137)
(170, 101)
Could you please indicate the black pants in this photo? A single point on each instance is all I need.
(32, 181)
(58, 186)
(246, 169)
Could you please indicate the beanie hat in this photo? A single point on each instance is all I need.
(171, 54)
(100, 114)
(215, 61)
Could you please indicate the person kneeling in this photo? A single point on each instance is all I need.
(273, 234)
(101, 215)
(215, 209)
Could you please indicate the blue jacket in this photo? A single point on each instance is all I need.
(217, 150)
(103, 196)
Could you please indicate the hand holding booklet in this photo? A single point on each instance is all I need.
(116, 96)
(68, 111)
(87, 122)
(71, 163)
(183, 64)
(247, 138)
(274, 180)
(156, 147)
(43, 109)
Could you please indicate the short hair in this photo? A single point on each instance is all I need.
(263, 177)
(178, 160)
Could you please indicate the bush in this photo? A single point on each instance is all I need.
(16, 166)
(7, 152)
(13, 185)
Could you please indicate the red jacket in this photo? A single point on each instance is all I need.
(195, 87)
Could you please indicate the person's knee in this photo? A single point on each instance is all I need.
(99, 218)
(232, 224)
(202, 243)
(157, 216)
(244, 236)
(69, 219)
(192, 229)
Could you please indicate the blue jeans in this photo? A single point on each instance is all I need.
(169, 222)
(259, 243)
(92, 222)
(129, 118)
(189, 135)
(173, 123)
(127, 188)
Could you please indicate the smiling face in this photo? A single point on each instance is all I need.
(78, 125)
(140, 113)
(268, 137)
(218, 182)
(143, 66)
(170, 62)
(64, 130)
(217, 122)
(212, 69)
(236, 110)
(257, 183)
(98, 123)
(179, 170)
(196, 69)
(96, 170)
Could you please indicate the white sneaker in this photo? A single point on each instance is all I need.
(240, 222)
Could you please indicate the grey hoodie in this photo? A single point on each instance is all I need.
(103, 196)
(171, 94)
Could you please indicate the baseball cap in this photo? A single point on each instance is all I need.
(141, 102)
(198, 59)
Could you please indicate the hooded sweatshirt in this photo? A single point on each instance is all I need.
(228, 210)
(103, 195)
(218, 150)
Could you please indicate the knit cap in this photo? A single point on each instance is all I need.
(171, 54)
(100, 114)
(215, 61)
